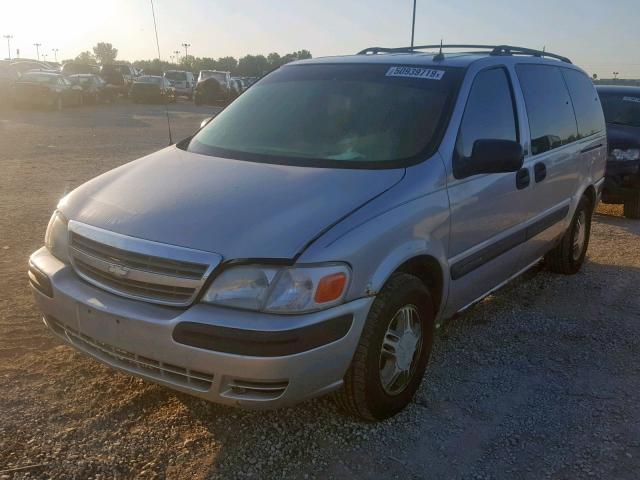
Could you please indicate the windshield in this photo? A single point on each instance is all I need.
(219, 76)
(156, 80)
(334, 115)
(175, 75)
(621, 109)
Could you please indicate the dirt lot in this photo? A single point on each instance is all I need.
(541, 380)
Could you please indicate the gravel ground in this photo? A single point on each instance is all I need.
(540, 380)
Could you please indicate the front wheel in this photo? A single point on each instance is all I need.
(632, 207)
(568, 256)
(393, 351)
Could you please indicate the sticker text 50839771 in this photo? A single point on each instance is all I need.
(415, 72)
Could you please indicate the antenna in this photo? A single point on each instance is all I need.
(166, 107)
(440, 56)
(413, 23)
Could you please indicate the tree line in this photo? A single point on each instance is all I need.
(247, 66)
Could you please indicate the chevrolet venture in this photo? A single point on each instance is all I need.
(312, 236)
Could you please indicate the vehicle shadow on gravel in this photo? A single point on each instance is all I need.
(522, 379)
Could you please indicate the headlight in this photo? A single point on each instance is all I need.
(280, 290)
(56, 239)
(626, 155)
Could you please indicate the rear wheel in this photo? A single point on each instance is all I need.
(568, 256)
(632, 207)
(393, 351)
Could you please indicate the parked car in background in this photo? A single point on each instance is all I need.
(51, 90)
(23, 66)
(350, 206)
(8, 76)
(152, 89)
(94, 88)
(120, 76)
(213, 88)
(621, 107)
(182, 81)
(74, 68)
(237, 86)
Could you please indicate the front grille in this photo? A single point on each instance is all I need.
(130, 267)
(132, 362)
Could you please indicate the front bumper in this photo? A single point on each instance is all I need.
(138, 337)
(622, 181)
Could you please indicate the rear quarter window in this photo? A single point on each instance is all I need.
(552, 121)
(586, 103)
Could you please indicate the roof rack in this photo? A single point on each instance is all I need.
(496, 50)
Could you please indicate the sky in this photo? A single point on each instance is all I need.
(602, 36)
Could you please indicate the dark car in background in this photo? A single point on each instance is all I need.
(73, 68)
(152, 89)
(45, 89)
(621, 106)
(213, 88)
(94, 88)
(8, 76)
(121, 77)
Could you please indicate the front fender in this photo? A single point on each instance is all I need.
(409, 220)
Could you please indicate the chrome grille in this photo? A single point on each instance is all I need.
(132, 362)
(137, 268)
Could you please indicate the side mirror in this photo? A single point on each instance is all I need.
(205, 121)
(490, 156)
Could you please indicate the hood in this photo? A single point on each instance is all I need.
(235, 208)
(623, 136)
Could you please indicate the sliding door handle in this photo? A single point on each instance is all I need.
(540, 171)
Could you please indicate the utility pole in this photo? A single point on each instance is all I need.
(413, 23)
(37, 45)
(55, 54)
(8, 37)
(186, 46)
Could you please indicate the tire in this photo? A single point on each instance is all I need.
(631, 207)
(568, 256)
(364, 393)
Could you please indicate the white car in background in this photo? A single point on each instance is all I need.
(182, 81)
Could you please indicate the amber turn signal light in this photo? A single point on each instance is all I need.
(330, 287)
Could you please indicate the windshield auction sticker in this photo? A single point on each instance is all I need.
(415, 72)
(628, 99)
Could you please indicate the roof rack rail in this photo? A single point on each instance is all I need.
(491, 49)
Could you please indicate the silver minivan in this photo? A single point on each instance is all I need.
(313, 235)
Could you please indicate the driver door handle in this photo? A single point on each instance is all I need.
(523, 179)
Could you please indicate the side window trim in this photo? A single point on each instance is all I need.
(514, 107)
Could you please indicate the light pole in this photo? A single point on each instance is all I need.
(55, 54)
(615, 75)
(37, 45)
(44, 57)
(413, 22)
(186, 46)
(8, 37)
(177, 52)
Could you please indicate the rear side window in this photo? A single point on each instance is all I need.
(489, 114)
(586, 103)
(549, 109)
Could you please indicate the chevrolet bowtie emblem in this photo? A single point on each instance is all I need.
(118, 270)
